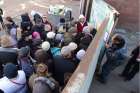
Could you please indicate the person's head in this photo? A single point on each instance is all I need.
(59, 37)
(66, 52)
(44, 18)
(25, 17)
(80, 54)
(10, 71)
(37, 43)
(45, 46)
(26, 26)
(86, 30)
(118, 40)
(42, 69)
(85, 41)
(38, 19)
(47, 27)
(24, 51)
(7, 41)
(72, 46)
(36, 35)
(41, 56)
(51, 35)
(9, 20)
(26, 36)
(82, 18)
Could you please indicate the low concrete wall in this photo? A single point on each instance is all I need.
(82, 77)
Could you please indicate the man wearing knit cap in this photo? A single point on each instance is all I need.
(73, 46)
(45, 46)
(51, 37)
(14, 80)
(63, 65)
(80, 54)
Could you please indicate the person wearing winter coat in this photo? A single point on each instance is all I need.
(132, 67)
(115, 54)
(81, 23)
(14, 80)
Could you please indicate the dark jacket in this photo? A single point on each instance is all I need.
(22, 43)
(135, 53)
(61, 67)
(26, 23)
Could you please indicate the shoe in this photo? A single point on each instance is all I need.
(126, 79)
(101, 80)
(121, 75)
(132, 92)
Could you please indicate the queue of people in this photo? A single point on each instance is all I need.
(37, 57)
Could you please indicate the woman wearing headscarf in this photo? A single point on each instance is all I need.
(81, 23)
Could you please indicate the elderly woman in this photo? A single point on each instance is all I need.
(81, 23)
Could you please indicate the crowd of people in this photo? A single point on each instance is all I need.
(38, 57)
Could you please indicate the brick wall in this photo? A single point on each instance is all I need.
(129, 13)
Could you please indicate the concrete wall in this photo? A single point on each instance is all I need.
(129, 13)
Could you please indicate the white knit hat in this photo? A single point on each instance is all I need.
(33, 12)
(86, 29)
(80, 54)
(45, 46)
(73, 46)
(50, 35)
(81, 16)
(65, 50)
